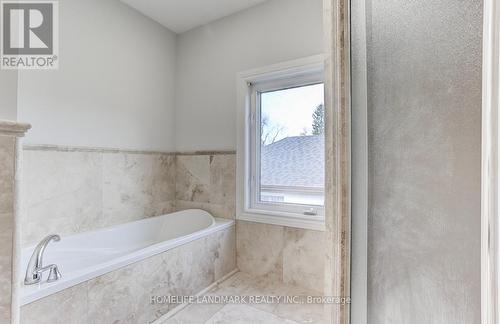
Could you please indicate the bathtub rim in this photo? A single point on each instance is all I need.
(30, 294)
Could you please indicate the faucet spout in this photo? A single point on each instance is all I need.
(35, 265)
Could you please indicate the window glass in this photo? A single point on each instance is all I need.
(292, 146)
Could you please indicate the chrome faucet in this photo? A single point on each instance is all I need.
(35, 265)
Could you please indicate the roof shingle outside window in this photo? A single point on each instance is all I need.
(296, 161)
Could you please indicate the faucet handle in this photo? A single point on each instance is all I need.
(54, 273)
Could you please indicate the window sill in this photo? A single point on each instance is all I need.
(316, 223)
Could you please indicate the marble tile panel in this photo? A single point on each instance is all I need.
(223, 179)
(207, 182)
(259, 249)
(6, 230)
(191, 267)
(67, 306)
(225, 252)
(136, 186)
(163, 183)
(7, 158)
(7, 177)
(304, 258)
(63, 193)
(124, 295)
(192, 179)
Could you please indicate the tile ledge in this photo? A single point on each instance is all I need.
(68, 148)
(220, 152)
(64, 148)
(12, 128)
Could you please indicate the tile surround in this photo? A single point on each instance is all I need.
(192, 178)
(72, 191)
(70, 306)
(294, 256)
(260, 249)
(137, 186)
(206, 181)
(7, 158)
(7, 173)
(99, 188)
(62, 193)
(10, 161)
(291, 255)
(303, 258)
(124, 295)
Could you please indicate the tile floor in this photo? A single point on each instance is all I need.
(242, 284)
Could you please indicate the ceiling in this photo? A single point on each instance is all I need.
(182, 15)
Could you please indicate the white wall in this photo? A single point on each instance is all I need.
(115, 83)
(210, 57)
(8, 94)
(116, 80)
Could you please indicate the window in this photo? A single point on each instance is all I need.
(281, 151)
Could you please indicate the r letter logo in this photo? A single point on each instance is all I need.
(29, 35)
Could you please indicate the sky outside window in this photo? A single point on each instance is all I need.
(289, 112)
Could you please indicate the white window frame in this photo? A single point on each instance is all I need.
(289, 74)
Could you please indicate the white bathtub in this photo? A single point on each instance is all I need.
(87, 255)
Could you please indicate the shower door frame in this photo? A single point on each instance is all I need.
(337, 157)
(490, 186)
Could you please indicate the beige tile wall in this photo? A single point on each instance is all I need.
(7, 160)
(72, 191)
(69, 190)
(206, 182)
(291, 255)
